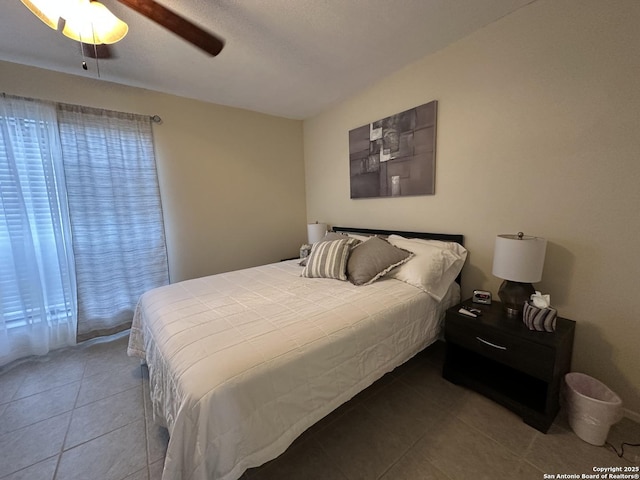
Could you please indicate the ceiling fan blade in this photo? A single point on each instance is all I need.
(179, 25)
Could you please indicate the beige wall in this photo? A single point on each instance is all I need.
(231, 181)
(538, 130)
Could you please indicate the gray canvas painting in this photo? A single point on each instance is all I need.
(395, 156)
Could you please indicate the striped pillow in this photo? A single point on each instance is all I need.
(328, 260)
(329, 237)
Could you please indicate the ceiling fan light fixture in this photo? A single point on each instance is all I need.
(46, 10)
(93, 23)
(90, 22)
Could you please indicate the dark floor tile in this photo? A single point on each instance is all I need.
(426, 379)
(461, 452)
(334, 416)
(561, 450)
(626, 431)
(413, 466)
(361, 446)
(497, 422)
(404, 412)
(435, 352)
(304, 461)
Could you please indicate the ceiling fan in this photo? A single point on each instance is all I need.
(206, 41)
(90, 22)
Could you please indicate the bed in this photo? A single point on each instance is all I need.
(241, 363)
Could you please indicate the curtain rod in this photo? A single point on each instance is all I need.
(154, 118)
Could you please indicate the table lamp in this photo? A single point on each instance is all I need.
(316, 232)
(518, 259)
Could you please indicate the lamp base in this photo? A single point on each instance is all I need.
(513, 296)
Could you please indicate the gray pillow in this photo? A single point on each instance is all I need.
(372, 259)
(333, 236)
(328, 260)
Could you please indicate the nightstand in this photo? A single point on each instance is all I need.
(502, 359)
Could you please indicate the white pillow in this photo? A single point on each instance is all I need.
(456, 247)
(434, 266)
(362, 238)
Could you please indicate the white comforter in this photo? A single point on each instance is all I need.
(243, 362)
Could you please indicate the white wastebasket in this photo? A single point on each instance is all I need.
(592, 407)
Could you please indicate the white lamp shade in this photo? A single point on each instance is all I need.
(46, 10)
(316, 232)
(519, 259)
(92, 22)
(85, 20)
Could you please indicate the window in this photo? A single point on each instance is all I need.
(36, 272)
(27, 212)
(81, 227)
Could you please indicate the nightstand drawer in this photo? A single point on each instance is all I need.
(531, 358)
(501, 358)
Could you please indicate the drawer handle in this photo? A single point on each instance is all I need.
(500, 347)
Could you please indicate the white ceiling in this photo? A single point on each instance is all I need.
(291, 58)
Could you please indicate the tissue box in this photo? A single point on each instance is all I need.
(539, 319)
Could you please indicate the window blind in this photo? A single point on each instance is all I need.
(36, 275)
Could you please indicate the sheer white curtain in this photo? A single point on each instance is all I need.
(116, 214)
(37, 284)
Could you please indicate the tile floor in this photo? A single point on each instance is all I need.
(84, 414)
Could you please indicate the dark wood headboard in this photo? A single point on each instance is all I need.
(444, 237)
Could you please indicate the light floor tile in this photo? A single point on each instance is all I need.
(110, 457)
(32, 409)
(157, 436)
(139, 475)
(51, 372)
(11, 379)
(43, 470)
(157, 441)
(105, 357)
(105, 384)
(32, 444)
(103, 416)
(155, 470)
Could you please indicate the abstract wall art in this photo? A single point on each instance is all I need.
(395, 156)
